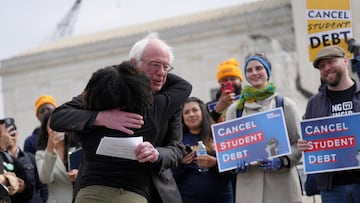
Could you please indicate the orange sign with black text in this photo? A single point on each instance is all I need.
(329, 22)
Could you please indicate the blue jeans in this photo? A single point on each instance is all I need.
(342, 193)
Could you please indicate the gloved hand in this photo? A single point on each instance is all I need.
(270, 164)
(242, 166)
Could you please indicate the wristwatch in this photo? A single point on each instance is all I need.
(285, 161)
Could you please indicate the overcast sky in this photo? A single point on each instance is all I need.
(26, 24)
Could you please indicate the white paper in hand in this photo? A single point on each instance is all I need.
(121, 147)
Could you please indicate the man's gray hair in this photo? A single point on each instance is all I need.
(137, 50)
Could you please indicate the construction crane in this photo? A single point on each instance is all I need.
(66, 26)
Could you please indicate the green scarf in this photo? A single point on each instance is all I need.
(251, 94)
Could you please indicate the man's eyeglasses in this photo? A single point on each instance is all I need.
(157, 65)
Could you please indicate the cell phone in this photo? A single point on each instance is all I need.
(74, 158)
(8, 122)
(188, 149)
(226, 86)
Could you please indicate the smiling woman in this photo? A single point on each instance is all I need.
(257, 97)
(200, 186)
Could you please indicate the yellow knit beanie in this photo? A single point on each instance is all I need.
(44, 99)
(229, 68)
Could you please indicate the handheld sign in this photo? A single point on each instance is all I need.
(334, 143)
(249, 138)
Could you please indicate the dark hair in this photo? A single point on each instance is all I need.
(43, 133)
(118, 86)
(207, 121)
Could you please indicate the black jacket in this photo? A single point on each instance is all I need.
(19, 170)
(40, 192)
(319, 105)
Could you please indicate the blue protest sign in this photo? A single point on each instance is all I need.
(333, 143)
(259, 135)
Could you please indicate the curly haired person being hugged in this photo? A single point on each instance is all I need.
(119, 86)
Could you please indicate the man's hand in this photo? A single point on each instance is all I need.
(119, 120)
(145, 152)
(12, 131)
(6, 138)
(302, 145)
(21, 185)
(226, 99)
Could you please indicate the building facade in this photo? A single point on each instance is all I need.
(200, 41)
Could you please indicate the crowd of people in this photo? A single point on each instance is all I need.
(141, 98)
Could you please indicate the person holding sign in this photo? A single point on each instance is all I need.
(340, 96)
(194, 185)
(272, 179)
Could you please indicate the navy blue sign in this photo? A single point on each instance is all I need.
(333, 143)
(259, 135)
